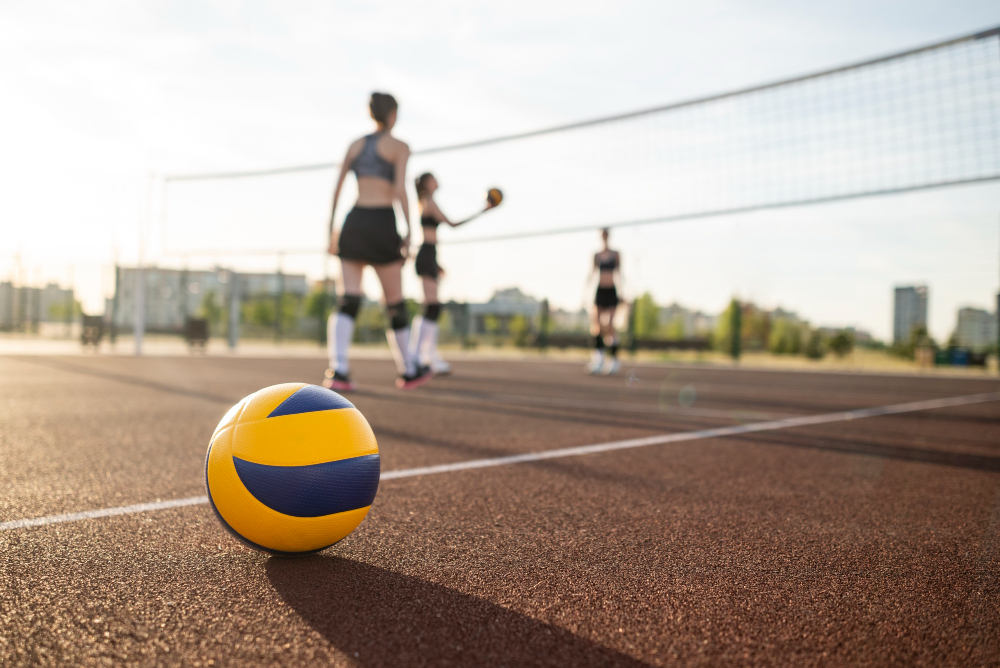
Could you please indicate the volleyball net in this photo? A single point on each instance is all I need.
(917, 120)
(925, 118)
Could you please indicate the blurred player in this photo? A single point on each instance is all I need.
(607, 266)
(369, 237)
(423, 342)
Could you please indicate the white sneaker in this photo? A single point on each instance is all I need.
(440, 367)
(596, 362)
(612, 366)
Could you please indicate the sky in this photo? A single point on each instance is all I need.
(99, 95)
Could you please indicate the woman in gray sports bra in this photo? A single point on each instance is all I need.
(369, 237)
(607, 266)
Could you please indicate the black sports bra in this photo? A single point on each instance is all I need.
(428, 221)
(610, 264)
(370, 163)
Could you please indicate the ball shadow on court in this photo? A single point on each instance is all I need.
(382, 618)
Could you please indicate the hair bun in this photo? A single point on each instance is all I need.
(381, 105)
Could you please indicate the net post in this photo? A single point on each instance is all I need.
(233, 331)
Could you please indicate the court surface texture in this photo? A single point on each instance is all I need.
(727, 517)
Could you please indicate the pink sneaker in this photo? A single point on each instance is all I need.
(421, 377)
(338, 382)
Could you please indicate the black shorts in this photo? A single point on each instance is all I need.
(427, 265)
(369, 235)
(606, 297)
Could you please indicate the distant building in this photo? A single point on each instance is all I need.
(494, 317)
(691, 323)
(496, 314)
(909, 312)
(569, 321)
(976, 329)
(26, 307)
(175, 294)
(781, 314)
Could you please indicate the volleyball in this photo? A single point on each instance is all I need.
(494, 196)
(292, 469)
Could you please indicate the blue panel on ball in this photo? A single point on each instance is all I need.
(313, 490)
(310, 399)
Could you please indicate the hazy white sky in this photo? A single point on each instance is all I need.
(97, 94)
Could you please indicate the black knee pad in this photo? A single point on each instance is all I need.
(397, 315)
(432, 312)
(350, 304)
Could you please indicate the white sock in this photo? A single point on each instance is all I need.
(429, 335)
(417, 336)
(399, 344)
(339, 332)
(597, 357)
(423, 344)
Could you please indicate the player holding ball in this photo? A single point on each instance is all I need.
(423, 342)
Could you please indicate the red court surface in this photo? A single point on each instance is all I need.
(866, 541)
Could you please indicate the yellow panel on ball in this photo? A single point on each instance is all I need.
(292, 469)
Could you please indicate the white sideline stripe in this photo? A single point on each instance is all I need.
(719, 432)
(103, 512)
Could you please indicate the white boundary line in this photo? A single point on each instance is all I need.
(718, 432)
(103, 512)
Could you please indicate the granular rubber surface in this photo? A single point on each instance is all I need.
(869, 542)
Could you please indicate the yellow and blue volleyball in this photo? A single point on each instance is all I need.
(292, 469)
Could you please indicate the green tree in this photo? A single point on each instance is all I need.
(675, 330)
(492, 326)
(318, 305)
(785, 337)
(519, 329)
(210, 309)
(918, 337)
(58, 311)
(445, 325)
(723, 340)
(292, 310)
(814, 345)
(647, 317)
(841, 343)
(756, 328)
(262, 311)
(413, 308)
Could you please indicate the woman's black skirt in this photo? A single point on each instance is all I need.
(606, 297)
(427, 264)
(369, 235)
